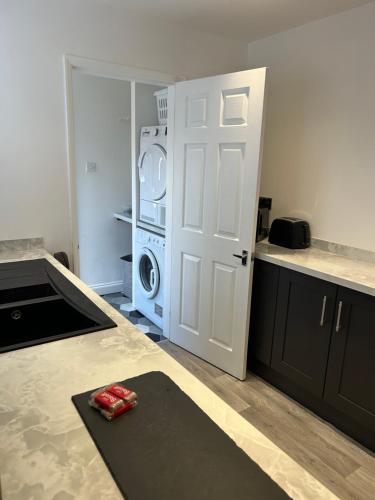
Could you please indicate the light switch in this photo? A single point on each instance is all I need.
(90, 166)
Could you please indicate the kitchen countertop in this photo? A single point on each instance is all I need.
(345, 271)
(46, 452)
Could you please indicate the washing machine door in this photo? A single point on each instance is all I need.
(152, 173)
(148, 273)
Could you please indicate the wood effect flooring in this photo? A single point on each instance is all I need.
(338, 462)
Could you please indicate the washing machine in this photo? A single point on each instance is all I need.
(149, 275)
(152, 167)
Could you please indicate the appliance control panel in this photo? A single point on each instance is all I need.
(157, 130)
(157, 241)
(144, 237)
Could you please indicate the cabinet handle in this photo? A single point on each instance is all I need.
(338, 322)
(323, 314)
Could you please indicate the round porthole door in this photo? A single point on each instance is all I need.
(152, 173)
(148, 273)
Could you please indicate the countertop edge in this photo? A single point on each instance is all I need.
(315, 273)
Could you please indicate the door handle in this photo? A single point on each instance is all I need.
(338, 322)
(152, 278)
(243, 257)
(323, 314)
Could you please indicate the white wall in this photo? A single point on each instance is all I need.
(33, 36)
(102, 109)
(319, 153)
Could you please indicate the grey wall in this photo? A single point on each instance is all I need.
(102, 124)
(33, 37)
(319, 152)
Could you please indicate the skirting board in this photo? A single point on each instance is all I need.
(105, 288)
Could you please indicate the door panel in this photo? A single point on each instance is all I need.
(217, 146)
(229, 202)
(303, 329)
(196, 110)
(190, 293)
(351, 368)
(224, 285)
(194, 175)
(235, 104)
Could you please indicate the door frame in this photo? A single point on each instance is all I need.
(133, 75)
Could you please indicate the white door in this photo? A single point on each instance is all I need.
(217, 149)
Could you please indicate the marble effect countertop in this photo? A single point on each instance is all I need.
(45, 450)
(341, 270)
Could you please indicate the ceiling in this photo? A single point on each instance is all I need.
(240, 19)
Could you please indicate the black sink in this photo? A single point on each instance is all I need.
(26, 293)
(38, 304)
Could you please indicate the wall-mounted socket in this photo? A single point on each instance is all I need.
(90, 166)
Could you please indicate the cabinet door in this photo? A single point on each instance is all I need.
(350, 385)
(263, 310)
(304, 318)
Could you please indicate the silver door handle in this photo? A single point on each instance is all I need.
(338, 322)
(323, 314)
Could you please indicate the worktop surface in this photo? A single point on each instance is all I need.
(46, 452)
(345, 271)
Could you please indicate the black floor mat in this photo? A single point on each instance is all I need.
(167, 448)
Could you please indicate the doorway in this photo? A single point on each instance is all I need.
(107, 110)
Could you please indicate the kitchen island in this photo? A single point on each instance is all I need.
(47, 453)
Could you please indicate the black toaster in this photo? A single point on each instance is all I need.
(290, 232)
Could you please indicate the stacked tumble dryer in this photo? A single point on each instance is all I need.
(149, 246)
(152, 166)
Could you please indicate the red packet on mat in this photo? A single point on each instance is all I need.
(122, 392)
(107, 401)
(122, 409)
(113, 400)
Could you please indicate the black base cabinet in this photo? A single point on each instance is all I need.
(302, 331)
(263, 310)
(350, 383)
(316, 341)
